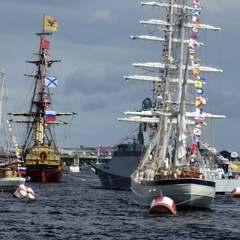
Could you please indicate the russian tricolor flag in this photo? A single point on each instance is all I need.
(22, 170)
(50, 116)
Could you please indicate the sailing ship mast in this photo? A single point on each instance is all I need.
(169, 80)
(41, 99)
(39, 131)
(1, 94)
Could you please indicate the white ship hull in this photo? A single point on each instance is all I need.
(185, 192)
(225, 186)
(10, 184)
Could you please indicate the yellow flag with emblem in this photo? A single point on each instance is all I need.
(198, 84)
(50, 24)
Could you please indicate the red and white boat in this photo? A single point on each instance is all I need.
(24, 191)
(236, 192)
(163, 205)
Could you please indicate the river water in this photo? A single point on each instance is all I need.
(78, 208)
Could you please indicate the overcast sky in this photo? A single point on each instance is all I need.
(93, 41)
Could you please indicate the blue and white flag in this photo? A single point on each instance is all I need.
(199, 111)
(51, 82)
(195, 63)
(199, 91)
(196, 12)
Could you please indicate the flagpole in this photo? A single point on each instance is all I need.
(98, 155)
(43, 21)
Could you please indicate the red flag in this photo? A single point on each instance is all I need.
(44, 44)
(194, 147)
(193, 35)
(196, 1)
(195, 19)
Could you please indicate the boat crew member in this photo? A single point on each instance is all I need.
(230, 176)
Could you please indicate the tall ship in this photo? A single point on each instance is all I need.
(39, 150)
(12, 175)
(178, 162)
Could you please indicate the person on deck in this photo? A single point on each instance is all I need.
(230, 176)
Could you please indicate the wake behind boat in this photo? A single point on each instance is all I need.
(40, 151)
(167, 167)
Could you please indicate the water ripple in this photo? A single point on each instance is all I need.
(78, 208)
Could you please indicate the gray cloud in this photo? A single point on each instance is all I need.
(96, 51)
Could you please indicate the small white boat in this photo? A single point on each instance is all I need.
(225, 186)
(163, 205)
(10, 179)
(74, 169)
(224, 183)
